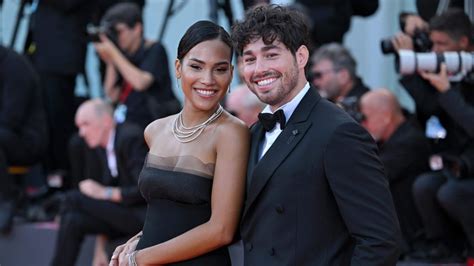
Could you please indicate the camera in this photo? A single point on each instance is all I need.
(421, 39)
(459, 63)
(108, 29)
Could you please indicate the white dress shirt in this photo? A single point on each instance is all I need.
(111, 158)
(288, 109)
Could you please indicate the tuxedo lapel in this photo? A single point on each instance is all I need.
(298, 125)
(257, 135)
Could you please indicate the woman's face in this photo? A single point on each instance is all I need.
(205, 74)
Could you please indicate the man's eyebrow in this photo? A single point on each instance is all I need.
(263, 49)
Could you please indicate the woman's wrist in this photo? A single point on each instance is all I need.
(132, 261)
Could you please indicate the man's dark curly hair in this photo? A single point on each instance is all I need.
(271, 22)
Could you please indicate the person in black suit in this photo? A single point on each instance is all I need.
(404, 152)
(23, 132)
(58, 51)
(316, 190)
(110, 205)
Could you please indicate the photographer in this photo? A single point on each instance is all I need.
(137, 76)
(453, 104)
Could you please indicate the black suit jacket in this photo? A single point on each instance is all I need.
(23, 132)
(405, 156)
(130, 152)
(319, 195)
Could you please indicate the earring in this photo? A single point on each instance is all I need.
(177, 83)
(228, 90)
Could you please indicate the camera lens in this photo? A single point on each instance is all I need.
(387, 46)
(408, 62)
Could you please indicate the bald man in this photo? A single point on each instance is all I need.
(404, 152)
(108, 201)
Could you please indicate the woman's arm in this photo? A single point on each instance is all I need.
(226, 203)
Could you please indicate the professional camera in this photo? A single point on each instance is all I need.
(421, 39)
(459, 64)
(351, 106)
(106, 28)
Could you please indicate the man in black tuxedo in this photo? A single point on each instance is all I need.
(316, 190)
(108, 203)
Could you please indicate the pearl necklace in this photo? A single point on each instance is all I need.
(187, 134)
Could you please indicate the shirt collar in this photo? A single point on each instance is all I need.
(289, 107)
(110, 143)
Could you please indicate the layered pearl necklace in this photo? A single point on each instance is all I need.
(187, 134)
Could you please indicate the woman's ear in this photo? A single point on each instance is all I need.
(177, 68)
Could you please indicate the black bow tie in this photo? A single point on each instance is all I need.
(269, 120)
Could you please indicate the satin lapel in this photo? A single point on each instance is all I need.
(283, 145)
(257, 135)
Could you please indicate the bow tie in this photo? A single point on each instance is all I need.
(269, 120)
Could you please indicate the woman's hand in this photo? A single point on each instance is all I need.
(121, 253)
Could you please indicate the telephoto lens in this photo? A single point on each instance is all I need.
(409, 62)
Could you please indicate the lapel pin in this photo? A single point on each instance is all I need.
(293, 134)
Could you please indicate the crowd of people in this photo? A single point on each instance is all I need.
(301, 163)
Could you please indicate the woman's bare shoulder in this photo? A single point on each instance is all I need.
(158, 127)
(231, 127)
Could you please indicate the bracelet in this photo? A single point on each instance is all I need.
(108, 193)
(132, 258)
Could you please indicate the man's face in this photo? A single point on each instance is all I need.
(128, 37)
(91, 128)
(442, 42)
(270, 71)
(374, 121)
(326, 80)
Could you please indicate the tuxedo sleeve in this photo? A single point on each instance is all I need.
(356, 178)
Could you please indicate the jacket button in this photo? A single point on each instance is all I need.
(249, 246)
(271, 252)
(279, 209)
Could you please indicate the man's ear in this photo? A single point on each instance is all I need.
(464, 42)
(302, 56)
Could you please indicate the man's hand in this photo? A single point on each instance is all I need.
(106, 49)
(438, 80)
(92, 189)
(402, 41)
(414, 22)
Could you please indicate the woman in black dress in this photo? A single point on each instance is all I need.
(194, 175)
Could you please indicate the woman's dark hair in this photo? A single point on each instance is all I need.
(271, 22)
(202, 31)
